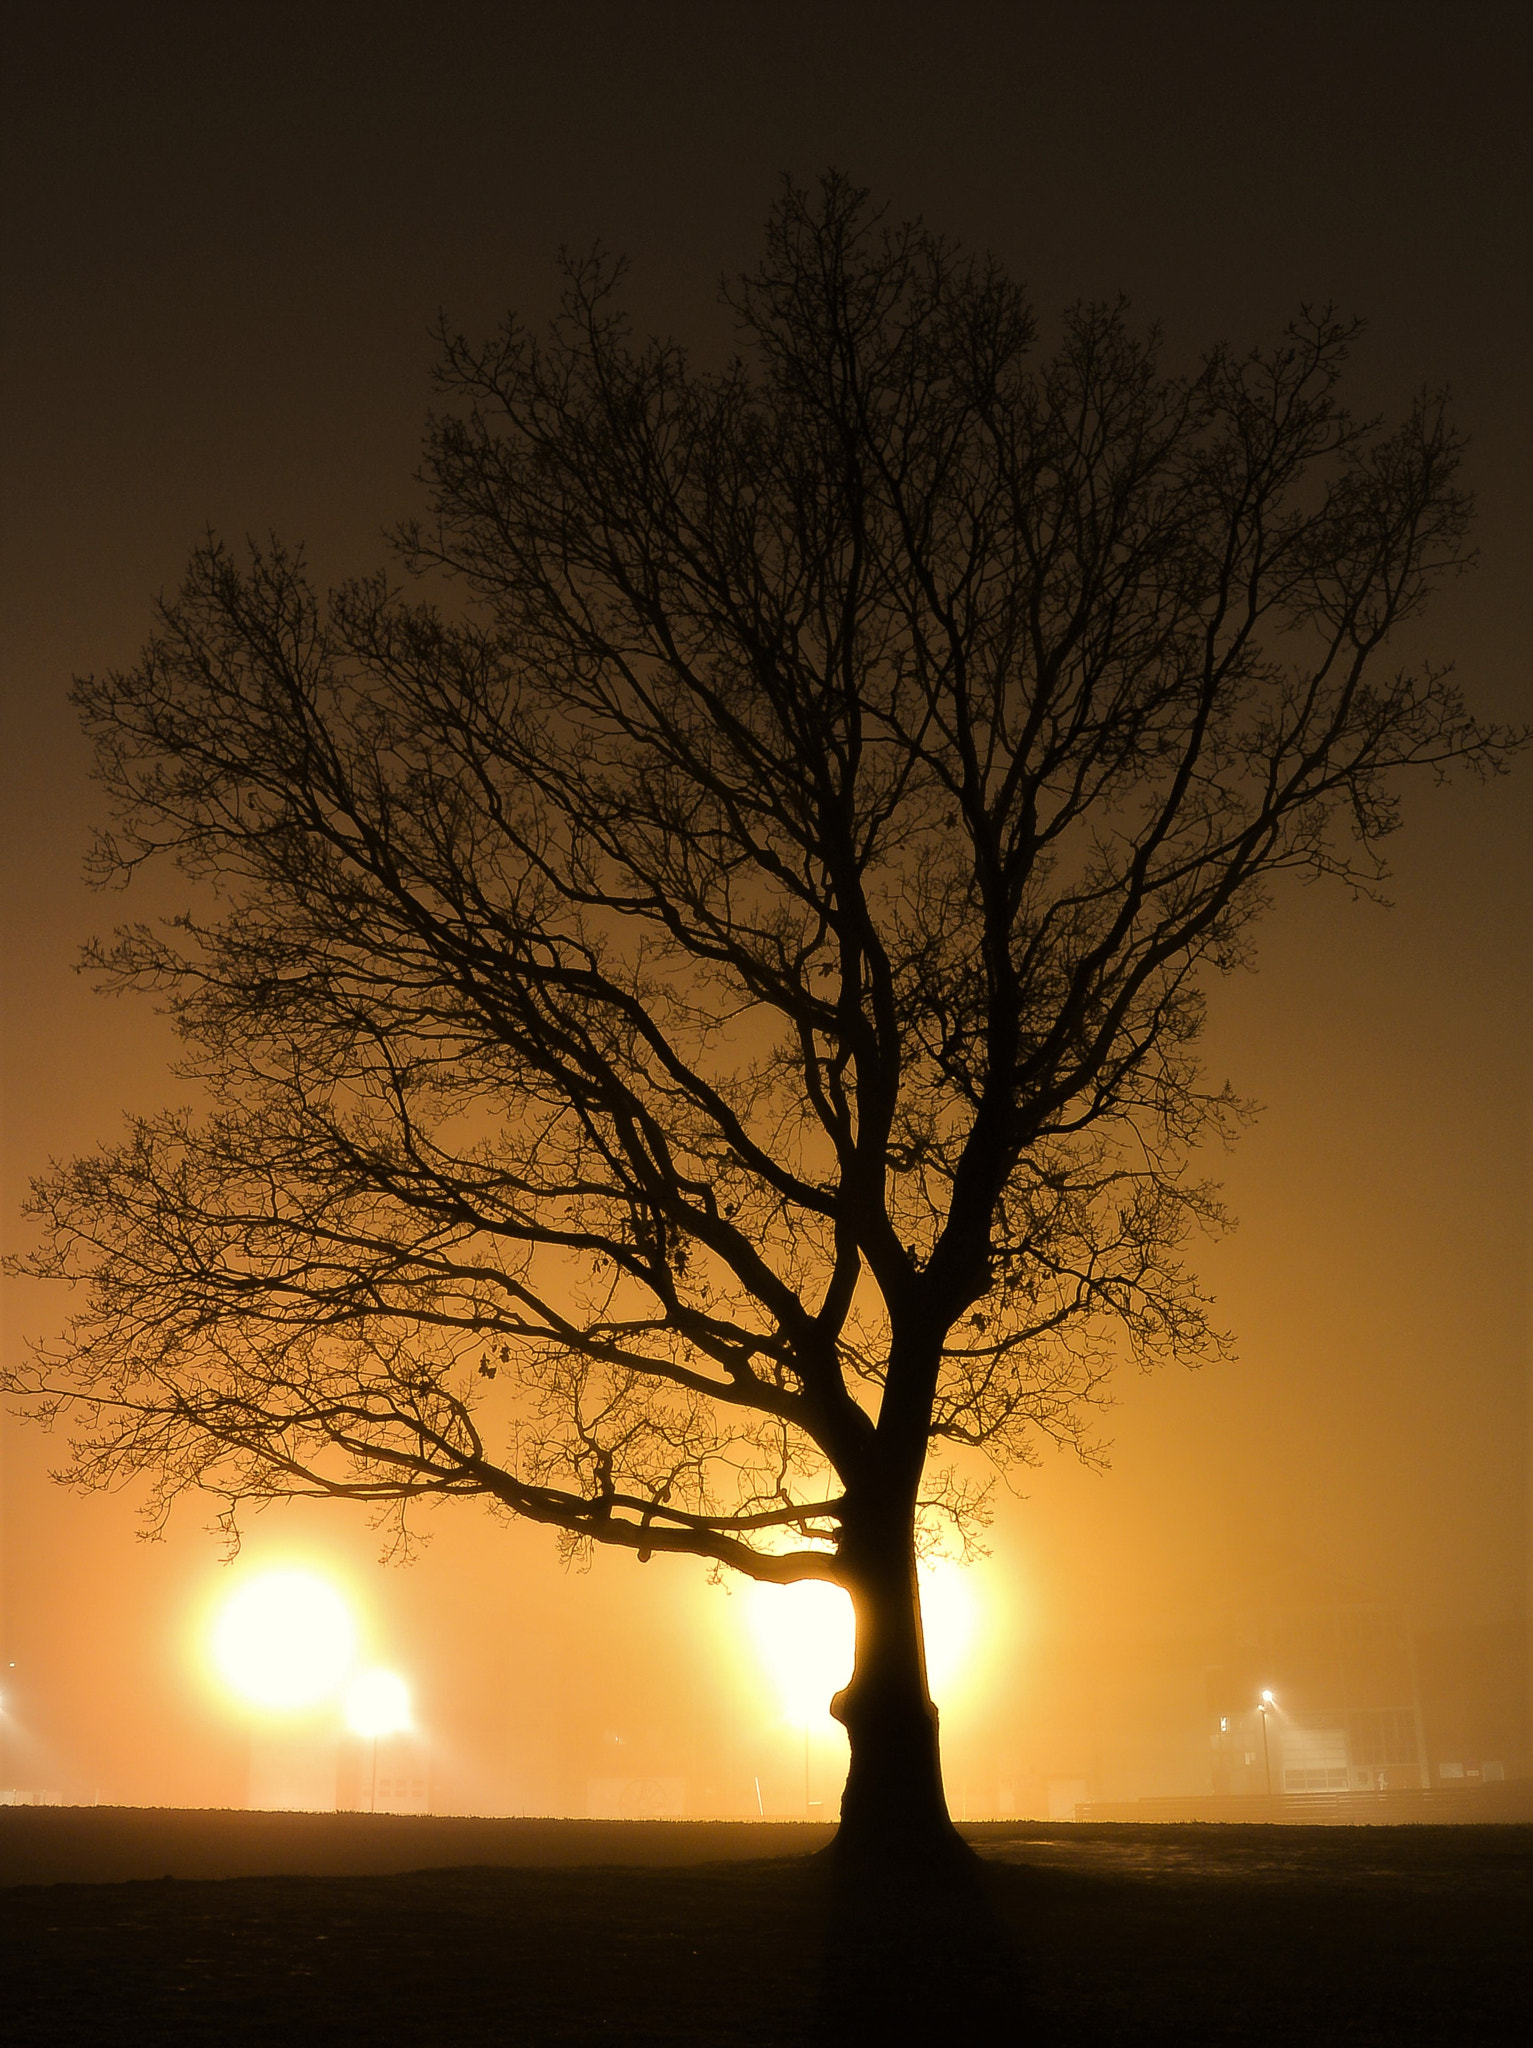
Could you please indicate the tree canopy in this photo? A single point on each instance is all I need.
(708, 1014)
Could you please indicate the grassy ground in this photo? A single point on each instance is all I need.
(1070, 1935)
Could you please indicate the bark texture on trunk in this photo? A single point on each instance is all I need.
(894, 1806)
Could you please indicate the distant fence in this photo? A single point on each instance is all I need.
(1455, 1804)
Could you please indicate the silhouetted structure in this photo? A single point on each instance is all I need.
(1369, 1718)
(1346, 1707)
(716, 1017)
(1475, 1701)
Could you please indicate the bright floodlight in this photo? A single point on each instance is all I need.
(804, 1634)
(284, 1639)
(377, 1703)
(1268, 1698)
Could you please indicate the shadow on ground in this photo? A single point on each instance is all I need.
(902, 1957)
(1397, 1936)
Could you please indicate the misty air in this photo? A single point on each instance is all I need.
(766, 1064)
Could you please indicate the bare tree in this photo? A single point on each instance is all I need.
(715, 1016)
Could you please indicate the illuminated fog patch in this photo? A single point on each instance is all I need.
(949, 1617)
(805, 1637)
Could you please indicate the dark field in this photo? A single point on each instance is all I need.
(678, 1934)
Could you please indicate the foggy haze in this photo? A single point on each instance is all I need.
(222, 271)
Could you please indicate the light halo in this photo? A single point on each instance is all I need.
(284, 1639)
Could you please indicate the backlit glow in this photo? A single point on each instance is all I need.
(948, 1618)
(285, 1639)
(805, 1636)
(377, 1703)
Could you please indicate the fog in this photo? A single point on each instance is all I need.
(222, 275)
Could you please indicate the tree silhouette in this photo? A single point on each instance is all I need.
(713, 1014)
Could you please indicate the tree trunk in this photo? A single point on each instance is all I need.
(894, 1807)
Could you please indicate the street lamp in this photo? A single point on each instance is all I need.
(378, 1703)
(1264, 1707)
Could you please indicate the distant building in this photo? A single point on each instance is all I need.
(403, 1779)
(386, 1774)
(1475, 1702)
(1346, 1709)
(1368, 1715)
(292, 1769)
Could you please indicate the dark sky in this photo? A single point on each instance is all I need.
(228, 231)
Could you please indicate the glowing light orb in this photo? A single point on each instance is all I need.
(285, 1639)
(806, 1637)
(377, 1703)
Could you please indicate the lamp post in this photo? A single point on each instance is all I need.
(1264, 1707)
(377, 1703)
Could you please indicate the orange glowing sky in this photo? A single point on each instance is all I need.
(226, 247)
